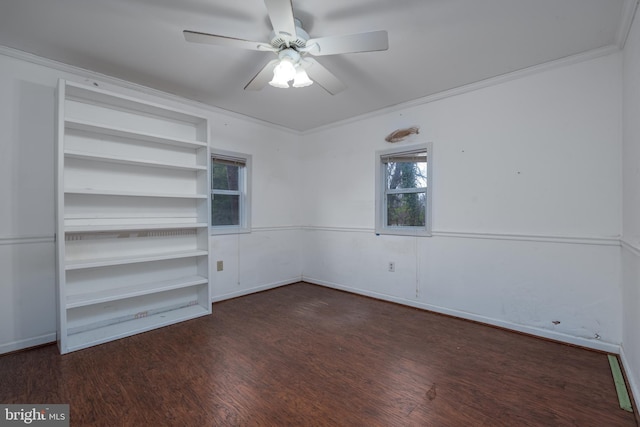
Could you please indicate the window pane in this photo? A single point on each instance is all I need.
(406, 210)
(225, 209)
(406, 174)
(224, 176)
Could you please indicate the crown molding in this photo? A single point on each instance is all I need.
(628, 16)
(120, 83)
(629, 10)
(626, 21)
(471, 87)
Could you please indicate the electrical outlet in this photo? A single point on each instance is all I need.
(392, 266)
(220, 265)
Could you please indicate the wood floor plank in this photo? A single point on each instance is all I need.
(304, 355)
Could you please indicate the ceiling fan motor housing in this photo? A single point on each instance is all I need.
(297, 41)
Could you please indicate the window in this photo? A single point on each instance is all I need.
(230, 192)
(403, 190)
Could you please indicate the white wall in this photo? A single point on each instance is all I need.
(631, 209)
(267, 257)
(27, 279)
(526, 205)
(270, 255)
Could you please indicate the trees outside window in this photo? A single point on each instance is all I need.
(230, 195)
(402, 191)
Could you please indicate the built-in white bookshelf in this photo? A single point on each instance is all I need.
(132, 209)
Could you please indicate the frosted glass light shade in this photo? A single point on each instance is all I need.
(282, 74)
(302, 79)
(282, 84)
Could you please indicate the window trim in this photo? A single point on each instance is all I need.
(380, 188)
(244, 191)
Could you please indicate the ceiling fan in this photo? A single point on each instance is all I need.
(291, 43)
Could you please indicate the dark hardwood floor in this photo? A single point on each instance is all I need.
(303, 355)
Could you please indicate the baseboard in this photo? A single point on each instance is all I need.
(51, 338)
(600, 346)
(631, 380)
(542, 333)
(260, 288)
(27, 343)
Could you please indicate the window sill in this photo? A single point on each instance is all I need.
(403, 231)
(217, 231)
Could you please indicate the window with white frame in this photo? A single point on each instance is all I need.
(230, 192)
(403, 190)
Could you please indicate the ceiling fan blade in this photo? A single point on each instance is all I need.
(361, 42)
(281, 16)
(196, 37)
(322, 76)
(263, 77)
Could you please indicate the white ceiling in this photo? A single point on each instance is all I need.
(434, 45)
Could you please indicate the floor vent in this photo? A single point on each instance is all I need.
(621, 386)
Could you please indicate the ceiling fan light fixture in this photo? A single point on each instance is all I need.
(283, 73)
(302, 79)
(282, 84)
(291, 43)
